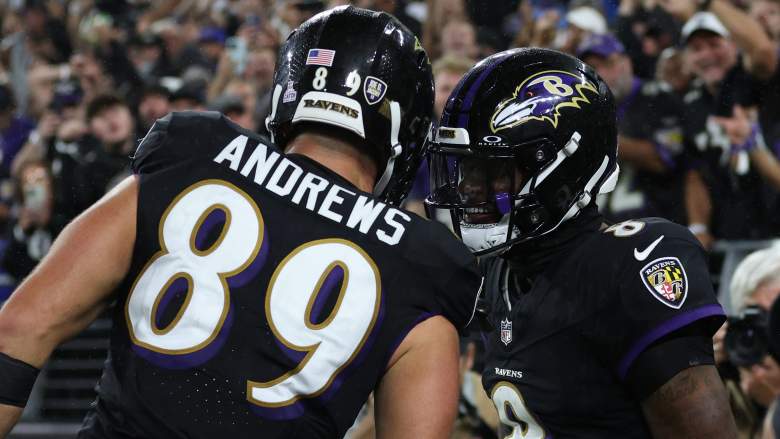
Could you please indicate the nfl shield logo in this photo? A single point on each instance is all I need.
(666, 280)
(506, 331)
(374, 90)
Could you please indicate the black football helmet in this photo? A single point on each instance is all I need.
(365, 72)
(527, 139)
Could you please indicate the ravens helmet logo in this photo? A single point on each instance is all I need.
(541, 97)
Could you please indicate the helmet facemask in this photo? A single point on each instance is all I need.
(497, 196)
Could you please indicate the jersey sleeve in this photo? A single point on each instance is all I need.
(451, 275)
(663, 287)
(180, 137)
(151, 146)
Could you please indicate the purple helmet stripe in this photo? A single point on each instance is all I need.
(465, 109)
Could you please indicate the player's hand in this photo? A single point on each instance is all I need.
(737, 127)
(48, 125)
(72, 130)
(680, 9)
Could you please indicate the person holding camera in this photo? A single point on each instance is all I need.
(749, 341)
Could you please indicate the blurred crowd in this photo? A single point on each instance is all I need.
(698, 94)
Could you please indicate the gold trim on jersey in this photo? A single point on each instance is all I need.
(222, 276)
(310, 349)
(344, 282)
(525, 424)
(199, 224)
(158, 299)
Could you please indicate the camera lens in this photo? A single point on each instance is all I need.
(746, 339)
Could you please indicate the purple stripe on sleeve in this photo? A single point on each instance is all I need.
(663, 329)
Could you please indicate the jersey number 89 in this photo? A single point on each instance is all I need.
(330, 345)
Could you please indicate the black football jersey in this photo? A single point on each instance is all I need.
(561, 348)
(266, 293)
(653, 114)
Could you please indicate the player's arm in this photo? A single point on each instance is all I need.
(418, 394)
(65, 293)
(693, 404)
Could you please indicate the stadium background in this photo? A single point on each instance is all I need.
(82, 80)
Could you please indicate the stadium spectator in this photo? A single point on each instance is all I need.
(756, 281)
(583, 21)
(459, 38)
(722, 136)
(234, 108)
(440, 12)
(649, 134)
(154, 103)
(447, 72)
(189, 96)
(211, 43)
(14, 130)
(111, 124)
(37, 224)
(46, 34)
(260, 68)
(537, 28)
(672, 71)
(645, 32)
(147, 53)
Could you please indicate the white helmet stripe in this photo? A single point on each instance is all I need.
(396, 149)
(274, 103)
(586, 196)
(566, 151)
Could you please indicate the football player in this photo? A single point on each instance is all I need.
(598, 331)
(266, 288)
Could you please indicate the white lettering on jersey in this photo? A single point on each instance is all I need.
(333, 198)
(232, 152)
(313, 185)
(365, 213)
(289, 184)
(399, 229)
(261, 161)
(359, 212)
(509, 373)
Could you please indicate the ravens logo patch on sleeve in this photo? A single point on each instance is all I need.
(666, 280)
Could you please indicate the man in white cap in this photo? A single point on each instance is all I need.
(723, 19)
(728, 53)
(583, 21)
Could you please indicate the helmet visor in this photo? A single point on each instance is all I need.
(481, 189)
